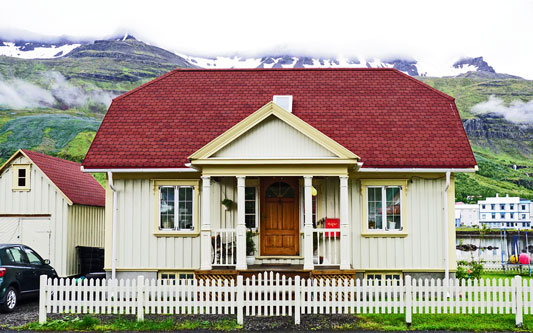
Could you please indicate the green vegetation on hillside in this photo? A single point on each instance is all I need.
(48, 133)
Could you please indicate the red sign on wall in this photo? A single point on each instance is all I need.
(333, 224)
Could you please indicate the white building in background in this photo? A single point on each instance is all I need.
(505, 212)
(466, 215)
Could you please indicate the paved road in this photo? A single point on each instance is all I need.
(26, 311)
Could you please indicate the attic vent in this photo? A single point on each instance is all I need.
(285, 101)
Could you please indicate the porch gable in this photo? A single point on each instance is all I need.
(266, 134)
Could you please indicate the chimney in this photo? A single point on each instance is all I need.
(497, 195)
(285, 101)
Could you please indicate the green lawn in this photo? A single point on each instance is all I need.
(450, 322)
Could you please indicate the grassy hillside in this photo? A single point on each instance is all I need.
(80, 86)
(498, 144)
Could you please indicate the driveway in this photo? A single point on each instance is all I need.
(26, 311)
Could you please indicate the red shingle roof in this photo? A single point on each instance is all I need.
(386, 117)
(81, 188)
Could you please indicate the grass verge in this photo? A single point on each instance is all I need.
(90, 323)
(370, 322)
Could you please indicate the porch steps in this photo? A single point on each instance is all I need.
(289, 271)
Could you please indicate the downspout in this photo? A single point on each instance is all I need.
(114, 231)
(446, 254)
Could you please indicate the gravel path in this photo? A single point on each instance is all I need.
(26, 311)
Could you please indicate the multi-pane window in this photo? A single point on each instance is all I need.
(378, 278)
(250, 207)
(176, 275)
(21, 177)
(176, 208)
(384, 207)
(502, 215)
(502, 206)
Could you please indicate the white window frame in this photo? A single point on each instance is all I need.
(15, 170)
(384, 208)
(176, 208)
(256, 206)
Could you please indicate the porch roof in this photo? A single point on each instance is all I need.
(385, 117)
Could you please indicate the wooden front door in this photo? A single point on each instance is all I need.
(280, 230)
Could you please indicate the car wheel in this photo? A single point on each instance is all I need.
(10, 300)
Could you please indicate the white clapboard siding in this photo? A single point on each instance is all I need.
(271, 294)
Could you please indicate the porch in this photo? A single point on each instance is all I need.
(295, 223)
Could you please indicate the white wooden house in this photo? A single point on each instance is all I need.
(339, 171)
(48, 204)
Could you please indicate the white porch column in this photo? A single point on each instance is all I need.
(345, 224)
(308, 222)
(241, 225)
(205, 230)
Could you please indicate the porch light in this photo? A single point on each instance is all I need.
(314, 192)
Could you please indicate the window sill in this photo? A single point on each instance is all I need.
(161, 233)
(21, 189)
(384, 234)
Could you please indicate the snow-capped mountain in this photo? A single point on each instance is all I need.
(31, 49)
(291, 61)
(35, 49)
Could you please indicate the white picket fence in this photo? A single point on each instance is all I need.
(275, 295)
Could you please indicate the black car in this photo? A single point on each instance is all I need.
(20, 271)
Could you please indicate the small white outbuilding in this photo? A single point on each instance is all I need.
(48, 204)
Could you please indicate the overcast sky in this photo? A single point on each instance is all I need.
(500, 31)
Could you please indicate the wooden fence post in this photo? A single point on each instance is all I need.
(408, 300)
(240, 300)
(140, 298)
(297, 299)
(43, 292)
(517, 282)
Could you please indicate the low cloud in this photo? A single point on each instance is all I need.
(53, 89)
(516, 112)
(19, 94)
(72, 95)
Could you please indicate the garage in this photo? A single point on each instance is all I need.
(33, 231)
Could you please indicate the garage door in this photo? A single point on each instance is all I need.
(33, 232)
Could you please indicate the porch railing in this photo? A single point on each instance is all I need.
(224, 247)
(326, 246)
